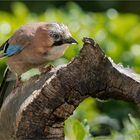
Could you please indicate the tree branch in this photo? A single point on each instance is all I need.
(38, 108)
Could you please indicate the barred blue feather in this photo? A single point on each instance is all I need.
(8, 49)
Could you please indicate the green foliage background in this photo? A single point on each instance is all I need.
(119, 36)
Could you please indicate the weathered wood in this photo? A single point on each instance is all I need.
(37, 109)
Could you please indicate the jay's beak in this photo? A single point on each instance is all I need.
(70, 41)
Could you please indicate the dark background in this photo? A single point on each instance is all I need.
(131, 6)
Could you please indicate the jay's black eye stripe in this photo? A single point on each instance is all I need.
(58, 43)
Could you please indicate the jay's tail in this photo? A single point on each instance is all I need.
(6, 85)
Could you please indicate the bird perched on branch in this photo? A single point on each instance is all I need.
(33, 45)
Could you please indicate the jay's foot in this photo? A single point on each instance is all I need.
(18, 82)
(45, 69)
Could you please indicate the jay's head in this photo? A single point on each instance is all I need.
(55, 38)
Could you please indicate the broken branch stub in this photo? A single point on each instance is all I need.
(37, 109)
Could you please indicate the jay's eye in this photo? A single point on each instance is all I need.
(56, 36)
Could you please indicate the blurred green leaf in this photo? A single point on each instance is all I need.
(74, 130)
(79, 131)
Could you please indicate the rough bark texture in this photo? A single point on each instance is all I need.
(37, 109)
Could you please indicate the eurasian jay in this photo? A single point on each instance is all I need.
(33, 45)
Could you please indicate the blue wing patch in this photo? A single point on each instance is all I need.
(12, 49)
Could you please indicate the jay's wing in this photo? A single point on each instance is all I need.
(19, 40)
(8, 49)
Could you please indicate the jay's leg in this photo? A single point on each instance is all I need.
(18, 80)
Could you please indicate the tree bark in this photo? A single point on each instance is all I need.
(38, 108)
